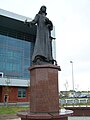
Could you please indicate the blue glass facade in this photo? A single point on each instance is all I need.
(15, 56)
(16, 45)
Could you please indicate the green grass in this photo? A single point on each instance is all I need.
(12, 110)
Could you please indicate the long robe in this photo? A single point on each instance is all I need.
(42, 44)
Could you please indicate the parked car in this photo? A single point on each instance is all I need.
(83, 96)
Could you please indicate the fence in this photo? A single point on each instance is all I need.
(75, 102)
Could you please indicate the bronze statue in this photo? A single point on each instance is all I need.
(42, 53)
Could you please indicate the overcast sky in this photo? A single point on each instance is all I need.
(71, 19)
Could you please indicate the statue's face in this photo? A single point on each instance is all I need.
(43, 9)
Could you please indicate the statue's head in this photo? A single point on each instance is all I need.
(43, 10)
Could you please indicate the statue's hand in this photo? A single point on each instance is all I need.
(25, 21)
(46, 21)
(28, 23)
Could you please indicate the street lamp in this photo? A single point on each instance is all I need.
(72, 77)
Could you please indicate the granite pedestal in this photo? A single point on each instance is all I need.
(44, 95)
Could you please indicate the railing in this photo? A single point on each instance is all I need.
(75, 102)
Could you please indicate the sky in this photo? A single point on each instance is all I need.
(71, 19)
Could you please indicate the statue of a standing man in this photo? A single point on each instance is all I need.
(42, 53)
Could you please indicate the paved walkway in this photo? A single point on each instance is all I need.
(8, 116)
(79, 118)
(16, 104)
(15, 117)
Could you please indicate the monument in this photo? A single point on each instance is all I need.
(44, 94)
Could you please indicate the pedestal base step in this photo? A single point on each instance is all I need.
(62, 115)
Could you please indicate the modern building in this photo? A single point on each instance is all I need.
(16, 47)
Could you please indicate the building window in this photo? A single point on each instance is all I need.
(21, 92)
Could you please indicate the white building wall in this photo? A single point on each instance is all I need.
(14, 82)
(14, 15)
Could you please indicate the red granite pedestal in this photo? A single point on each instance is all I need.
(44, 96)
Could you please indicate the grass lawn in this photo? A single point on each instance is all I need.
(12, 110)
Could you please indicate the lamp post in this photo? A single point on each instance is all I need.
(72, 77)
